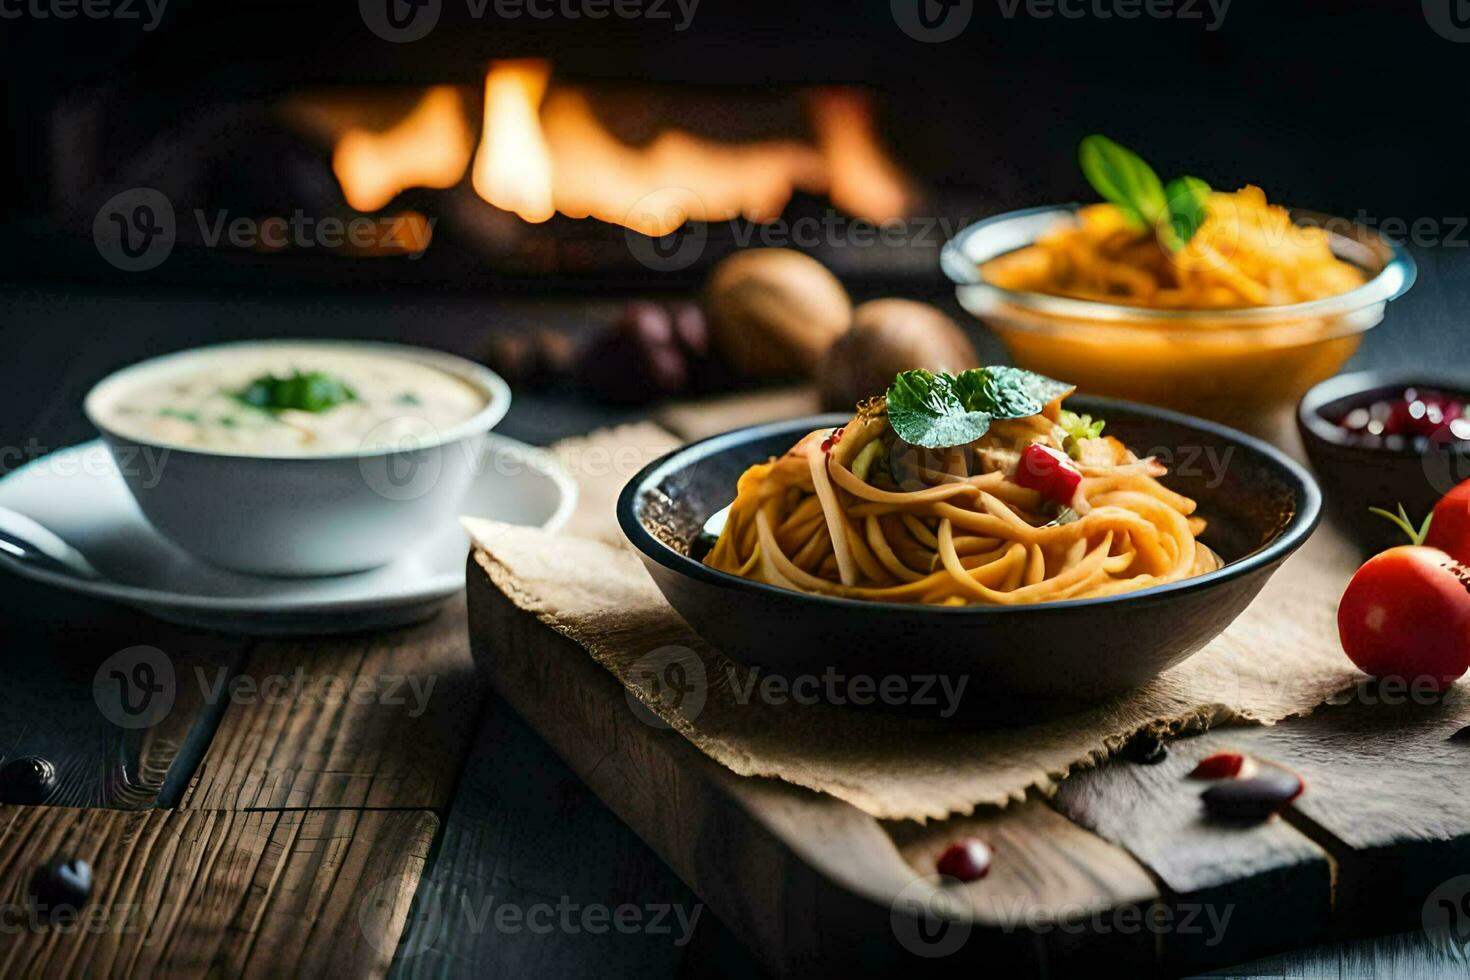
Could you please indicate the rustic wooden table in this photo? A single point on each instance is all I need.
(276, 823)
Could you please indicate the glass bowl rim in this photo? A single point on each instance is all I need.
(999, 235)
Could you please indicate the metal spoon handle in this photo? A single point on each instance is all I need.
(28, 541)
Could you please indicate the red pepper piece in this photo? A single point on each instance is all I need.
(1048, 472)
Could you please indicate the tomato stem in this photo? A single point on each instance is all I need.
(1402, 520)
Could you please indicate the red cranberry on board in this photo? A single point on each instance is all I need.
(1221, 765)
(965, 860)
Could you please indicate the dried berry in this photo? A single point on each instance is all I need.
(691, 329)
(1254, 799)
(652, 352)
(1221, 765)
(965, 860)
(61, 883)
(650, 324)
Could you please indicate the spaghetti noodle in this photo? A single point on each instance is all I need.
(1246, 253)
(858, 512)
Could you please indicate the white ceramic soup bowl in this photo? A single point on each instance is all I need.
(297, 513)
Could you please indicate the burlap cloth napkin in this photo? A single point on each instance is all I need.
(1279, 659)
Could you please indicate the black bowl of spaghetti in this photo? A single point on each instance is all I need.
(949, 568)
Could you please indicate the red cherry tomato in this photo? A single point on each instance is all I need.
(1406, 614)
(1049, 473)
(1449, 529)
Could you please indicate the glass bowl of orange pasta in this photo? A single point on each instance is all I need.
(1260, 305)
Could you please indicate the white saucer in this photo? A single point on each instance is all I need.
(78, 494)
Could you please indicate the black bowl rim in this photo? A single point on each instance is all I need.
(1292, 536)
(1312, 422)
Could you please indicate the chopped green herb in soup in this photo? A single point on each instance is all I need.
(295, 399)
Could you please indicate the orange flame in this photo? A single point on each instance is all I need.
(430, 147)
(864, 181)
(542, 151)
(513, 168)
(678, 177)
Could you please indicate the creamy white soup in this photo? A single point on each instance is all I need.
(292, 400)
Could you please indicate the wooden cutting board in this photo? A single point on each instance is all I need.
(1119, 868)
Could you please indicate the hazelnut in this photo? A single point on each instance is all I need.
(889, 336)
(774, 312)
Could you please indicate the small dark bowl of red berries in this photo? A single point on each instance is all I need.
(1381, 440)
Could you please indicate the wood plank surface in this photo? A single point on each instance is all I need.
(369, 720)
(802, 878)
(1401, 956)
(1236, 880)
(527, 841)
(1388, 795)
(192, 893)
(64, 695)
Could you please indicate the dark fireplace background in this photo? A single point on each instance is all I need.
(1353, 108)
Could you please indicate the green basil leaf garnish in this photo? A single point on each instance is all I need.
(926, 410)
(1188, 199)
(939, 410)
(311, 391)
(1121, 177)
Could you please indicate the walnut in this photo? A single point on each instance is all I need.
(889, 336)
(774, 312)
